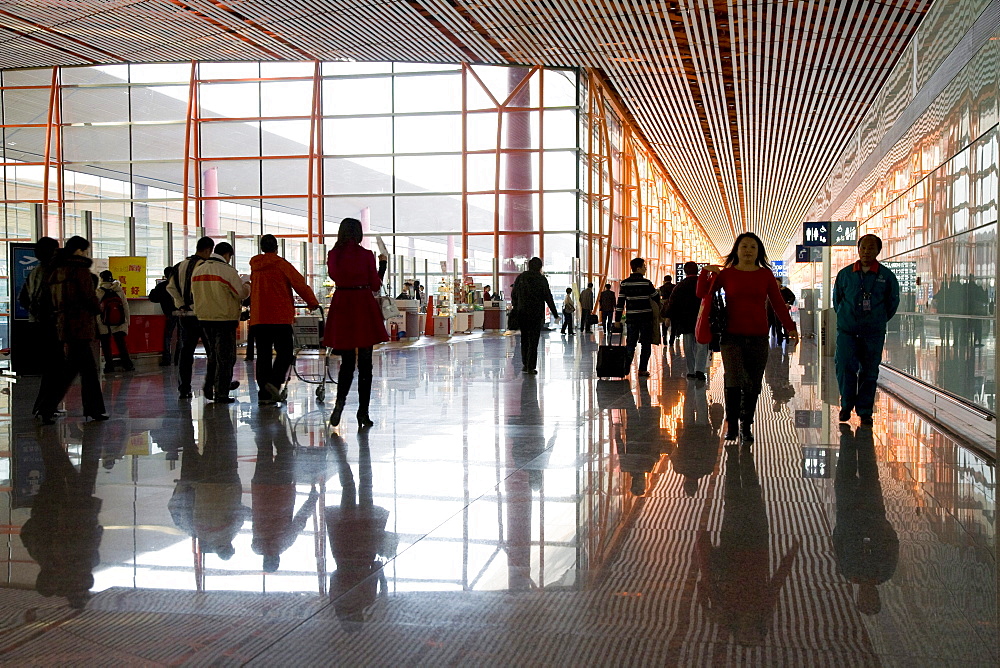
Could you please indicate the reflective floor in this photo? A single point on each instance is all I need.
(491, 517)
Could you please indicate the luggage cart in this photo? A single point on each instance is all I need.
(307, 335)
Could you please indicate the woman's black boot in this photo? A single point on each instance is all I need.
(747, 411)
(733, 397)
(364, 399)
(338, 409)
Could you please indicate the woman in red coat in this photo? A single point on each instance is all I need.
(354, 323)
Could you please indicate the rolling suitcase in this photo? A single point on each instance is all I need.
(612, 360)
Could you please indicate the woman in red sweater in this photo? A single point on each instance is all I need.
(748, 283)
(354, 322)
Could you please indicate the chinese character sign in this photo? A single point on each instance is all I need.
(131, 273)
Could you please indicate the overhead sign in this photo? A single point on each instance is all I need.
(779, 269)
(679, 270)
(816, 234)
(845, 232)
(808, 254)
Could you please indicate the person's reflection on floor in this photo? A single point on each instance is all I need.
(175, 431)
(739, 591)
(697, 450)
(116, 434)
(357, 538)
(63, 533)
(776, 374)
(207, 501)
(527, 438)
(276, 525)
(642, 442)
(867, 546)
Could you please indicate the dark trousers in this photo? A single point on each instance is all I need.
(251, 340)
(190, 335)
(109, 358)
(53, 366)
(80, 361)
(744, 359)
(266, 337)
(530, 333)
(585, 317)
(640, 333)
(567, 322)
(607, 317)
(360, 358)
(169, 326)
(857, 361)
(220, 345)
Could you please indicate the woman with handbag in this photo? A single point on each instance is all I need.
(354, 322)
(748, 283)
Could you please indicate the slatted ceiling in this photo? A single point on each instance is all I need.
(747, 104)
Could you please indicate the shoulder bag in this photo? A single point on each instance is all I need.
(387, 304)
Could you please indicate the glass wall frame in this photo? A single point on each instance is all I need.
(485, 166)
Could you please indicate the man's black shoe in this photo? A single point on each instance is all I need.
(867, 421)
(845, 414)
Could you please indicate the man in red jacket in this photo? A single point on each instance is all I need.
(272, 313)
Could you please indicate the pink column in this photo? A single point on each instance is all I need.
(210, 207)
(518, 210)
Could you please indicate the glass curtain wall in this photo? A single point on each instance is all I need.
(933, 201)
(630, 206)
(465, 171)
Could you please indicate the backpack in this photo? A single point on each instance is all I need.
(112, 309)
(159, 294)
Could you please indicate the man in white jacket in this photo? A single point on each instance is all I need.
(218, 292)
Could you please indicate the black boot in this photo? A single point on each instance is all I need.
(747, 411)
(364, 398)
(733, 397)
(344, 381)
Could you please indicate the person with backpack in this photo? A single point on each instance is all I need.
(112, 322)
(179, 287)
(74, 305)
(159, 295)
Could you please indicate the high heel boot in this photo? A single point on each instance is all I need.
(364, 399)
(344, 380)
(338, 409)
(733, 398)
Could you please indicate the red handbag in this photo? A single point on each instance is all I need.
(703, 326)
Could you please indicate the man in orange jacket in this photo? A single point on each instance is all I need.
(272, 313)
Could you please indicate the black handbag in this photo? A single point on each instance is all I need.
(717, 320)
(513, 320)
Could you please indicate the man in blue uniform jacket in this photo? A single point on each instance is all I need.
(865, 296)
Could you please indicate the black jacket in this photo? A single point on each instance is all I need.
(682, 309)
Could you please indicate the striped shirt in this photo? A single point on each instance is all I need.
(633, 297)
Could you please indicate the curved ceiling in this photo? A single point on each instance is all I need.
(748, 104)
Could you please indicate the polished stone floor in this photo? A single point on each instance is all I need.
(494, 518)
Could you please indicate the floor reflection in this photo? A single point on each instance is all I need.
(540, 503)
(867, 546)
(739, 590)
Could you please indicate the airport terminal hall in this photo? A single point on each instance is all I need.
(507, 333)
